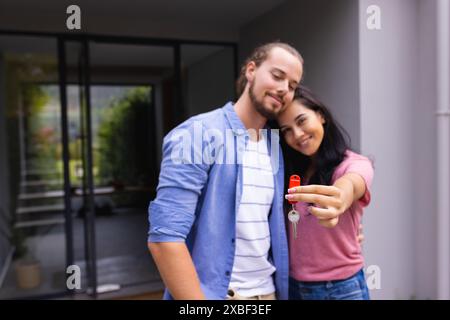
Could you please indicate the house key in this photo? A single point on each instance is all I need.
(293, 215)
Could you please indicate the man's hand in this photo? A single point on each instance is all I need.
(177, 270)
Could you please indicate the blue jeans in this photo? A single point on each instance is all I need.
(353, 288)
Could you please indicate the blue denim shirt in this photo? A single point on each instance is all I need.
(197, 201)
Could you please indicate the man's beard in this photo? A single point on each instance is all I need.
(260, 107)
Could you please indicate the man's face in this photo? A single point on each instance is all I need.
(272, 84)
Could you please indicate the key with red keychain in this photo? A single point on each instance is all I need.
(293, 215)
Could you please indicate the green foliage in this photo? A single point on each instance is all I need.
(125, 124)
(35, 98)
(18, 240)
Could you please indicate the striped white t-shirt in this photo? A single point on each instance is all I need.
(252, 271)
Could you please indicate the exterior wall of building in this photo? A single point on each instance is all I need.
(326, 34)
(380, 84)
(388, 64)
(210, 82)
(424, 156)
(103, 22)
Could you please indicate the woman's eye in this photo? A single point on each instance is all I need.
(276, 76)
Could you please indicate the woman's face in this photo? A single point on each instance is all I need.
(302, 128)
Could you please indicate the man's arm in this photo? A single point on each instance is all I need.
(172, 213)
(177, 270)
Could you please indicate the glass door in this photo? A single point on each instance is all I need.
(33, 234)
(78, 164)
(81, 129)
(131, 86)
(116, 96)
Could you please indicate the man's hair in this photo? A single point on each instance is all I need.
(258, 56)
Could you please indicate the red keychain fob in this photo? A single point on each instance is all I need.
(294, 181)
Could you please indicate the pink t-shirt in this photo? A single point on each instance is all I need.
(323, 254)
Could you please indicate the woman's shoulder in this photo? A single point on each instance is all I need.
(351, 155)
(354, 160)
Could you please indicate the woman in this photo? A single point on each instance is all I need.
(326, 261)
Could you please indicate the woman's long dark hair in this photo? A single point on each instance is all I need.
(331, 151)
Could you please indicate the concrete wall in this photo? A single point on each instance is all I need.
(397, 72)
(424, 156)
(98, 22)
(326, 34)
(210, 82)
(380, 84)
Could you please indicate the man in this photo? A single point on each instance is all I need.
(217, 228)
